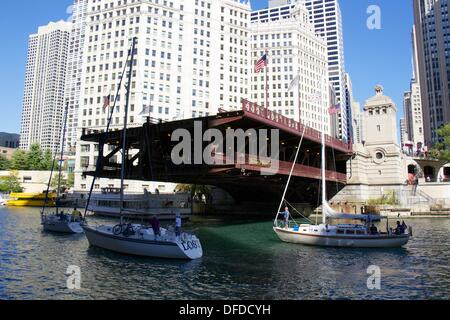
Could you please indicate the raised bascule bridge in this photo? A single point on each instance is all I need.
(149, 150)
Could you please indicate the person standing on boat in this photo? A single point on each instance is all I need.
(286, 218)
(400, 229)
(178, 225)
(76, 215)
(156, 226)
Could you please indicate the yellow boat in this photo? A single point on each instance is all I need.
(31, 200)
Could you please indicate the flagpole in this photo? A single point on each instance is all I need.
(267, 79)
(299, 105)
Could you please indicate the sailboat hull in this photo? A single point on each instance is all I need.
(54, 224)
(142, 245)
(366, 241)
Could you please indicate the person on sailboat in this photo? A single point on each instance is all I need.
(405, 227)
(178, 225)
(61, 215)
(156, 227)
(373, 229)
(76, 215)
(286, 218)
(400, 229)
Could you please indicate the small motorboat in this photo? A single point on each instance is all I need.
(23, 199)
(139, 240)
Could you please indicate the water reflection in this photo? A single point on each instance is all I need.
(243, 260)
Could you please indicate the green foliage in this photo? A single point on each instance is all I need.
(48, 160)
(70, 180)
(10, 183)
(35, 159)
(66, 182)
(389, 199)
(183, 188)
(55, 179)
(5, 164)
(197, 191)
(19, 160)
(441, 150)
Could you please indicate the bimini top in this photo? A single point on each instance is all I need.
(332, 214)
(361, 217)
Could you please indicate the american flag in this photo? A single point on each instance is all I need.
(262, 63)
(294, 82)
(106, 101)
(335, 109)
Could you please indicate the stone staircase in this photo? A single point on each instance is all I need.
(409, 198)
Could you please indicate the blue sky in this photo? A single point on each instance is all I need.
(372, 56)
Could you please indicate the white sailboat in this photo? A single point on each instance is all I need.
(339, 235)
(137, 239)
(59, 221)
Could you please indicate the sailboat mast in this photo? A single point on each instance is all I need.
(124, 137)
(324, 182)
(62, 152)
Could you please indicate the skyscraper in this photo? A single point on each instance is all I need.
(349, 99)
(403, 132)
(432, 28)
(412, 104)
(297, 67)
(192, 59)
(326, 19)
(43, 101)
(74, 70)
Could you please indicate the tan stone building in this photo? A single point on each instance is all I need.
(379, 167)
(378, 159)
(7, 152)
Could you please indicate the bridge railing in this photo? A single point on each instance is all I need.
(278, 120)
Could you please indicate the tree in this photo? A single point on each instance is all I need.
(197, 192)
(10, 183)
(35, 157)
(66, 182)
(55, 180)
(70, 180)
(48, 160)
(441, 150)
(5, 164)
(183, 188)
(19, 160)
